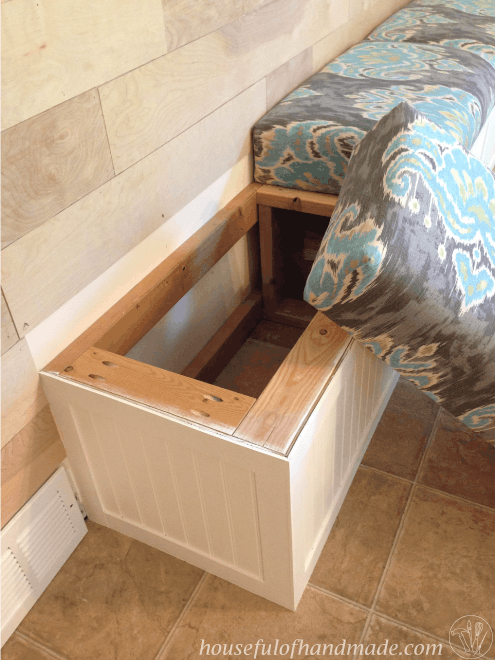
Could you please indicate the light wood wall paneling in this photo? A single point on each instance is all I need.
(52, 50)
(9, 333)
(50, 161)
(28, 460)
(22, 394)
(253, 5)
(147, 107)
(185, 21)
(353, 31)
(69, 251)
(288, 76)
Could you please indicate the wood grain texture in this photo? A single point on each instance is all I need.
(208, 364)
(22, 394)
(69, 251)
(9, 333)
(190, 399)
(185, 21)
(297, 200)
(281, 411)
(288, 76)
(147, 107)
(28, 460)
(53, 50)
(50, 161)
(174, 275)
(293, 312)
(271, 278)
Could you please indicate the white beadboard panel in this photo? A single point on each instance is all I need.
(56, 332)
(185, 476)
(223, 504)
(165, 487)
(84, 426)
(242, 502)
(140, 470)
(69, 251)
(116, 462)
(211, 475)
(53, 50)
(329, 450)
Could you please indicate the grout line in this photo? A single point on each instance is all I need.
(398, 534)
(458, 498)
(182, 615)
(38, 645)
(389, 474)
(338, 596)
(416, 630)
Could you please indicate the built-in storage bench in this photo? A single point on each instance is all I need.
(239, 463)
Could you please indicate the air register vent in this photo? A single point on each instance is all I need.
(35, 545)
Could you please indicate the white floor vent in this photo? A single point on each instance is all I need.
(35, 545)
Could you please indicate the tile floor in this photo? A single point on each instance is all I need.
(412, 550)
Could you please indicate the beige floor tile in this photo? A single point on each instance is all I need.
(114, 598)
(354, 556)
(225, 614)
(19, 649)
(458, 462)
(399, 442)
(408, 643)
(443, 566)
(407, 396)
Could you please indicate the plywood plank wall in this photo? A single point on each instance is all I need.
(115, 117)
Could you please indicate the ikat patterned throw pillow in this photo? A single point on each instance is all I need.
(407, 264)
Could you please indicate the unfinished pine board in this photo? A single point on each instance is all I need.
(167, 283)
(198, 402)
(270, 258)
(288, 76)
(208, 364)
(188, 20)
(297, 200)
(28, 460)
(50, 161)
(133, 205)
(52, 50)
(150, 105)
(294, 312)
(9, 333)
(22, 394)
(281, 411)
(277, 334)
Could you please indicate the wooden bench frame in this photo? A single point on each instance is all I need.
(245, 488)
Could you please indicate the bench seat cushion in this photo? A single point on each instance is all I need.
(407, 264)
(466, 25)
(306, 140)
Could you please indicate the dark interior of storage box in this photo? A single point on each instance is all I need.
(299, 236)
(258, 359)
